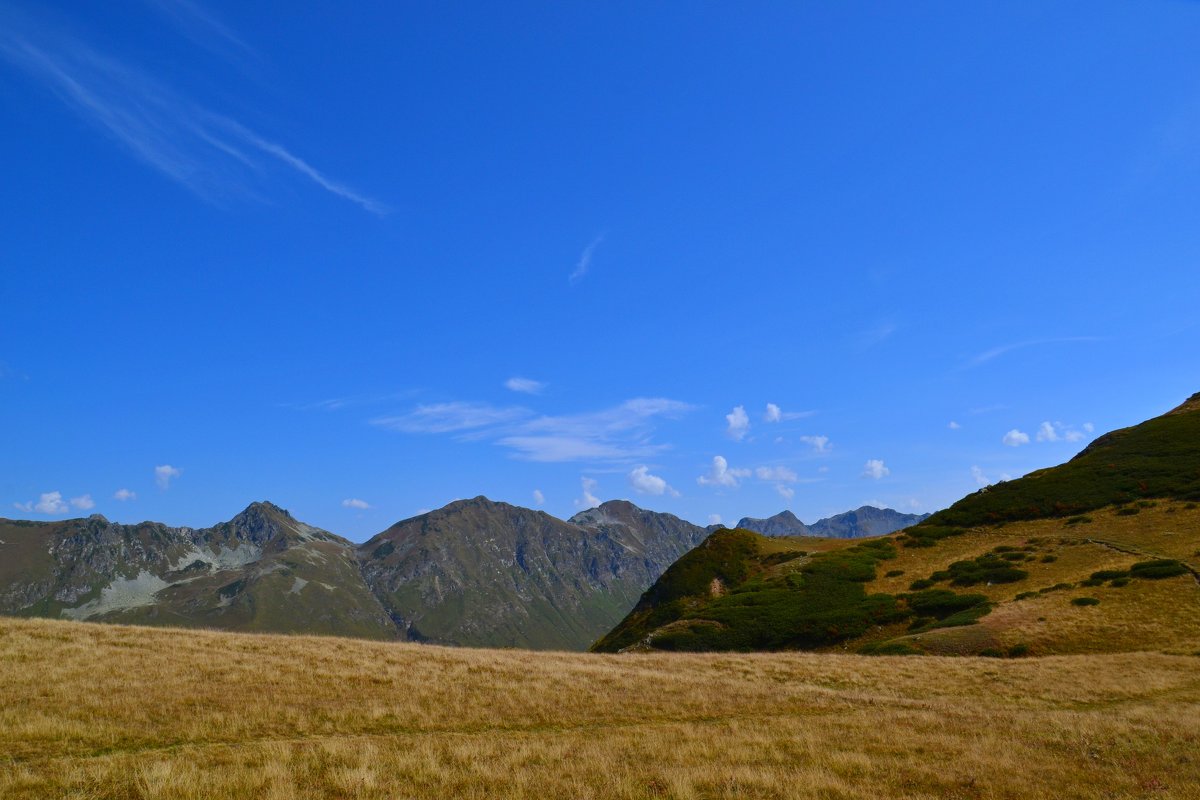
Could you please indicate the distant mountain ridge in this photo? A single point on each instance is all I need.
(475, 572)
(864, 521)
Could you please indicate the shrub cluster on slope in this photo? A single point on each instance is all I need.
(724, 596)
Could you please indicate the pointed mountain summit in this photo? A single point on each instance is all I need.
(485, 573)
(785, 523)
(263, 570)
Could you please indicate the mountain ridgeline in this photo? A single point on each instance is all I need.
(474, 573)
(1099, 554)
(861, 522)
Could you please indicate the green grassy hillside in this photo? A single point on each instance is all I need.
(1009, 571)
(1159, 458)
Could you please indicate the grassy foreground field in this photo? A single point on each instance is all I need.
(96, 711)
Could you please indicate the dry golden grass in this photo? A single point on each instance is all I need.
(1145, 615)
(93, 711)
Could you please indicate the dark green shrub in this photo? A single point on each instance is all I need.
(941, 603)
(1128, 511)
(1049, 559)
(918, 585)
(991, 652)
(894, 573)
(1159, 568)
(1058, 587)
(1117, 583)
(988, 568)
(1110, 574)
(1013, 556)
(1018, 651)
(1085, 601)
(1082, 519)
(889, 649)
(1025, 595)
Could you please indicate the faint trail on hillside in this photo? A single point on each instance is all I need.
(1135, 551)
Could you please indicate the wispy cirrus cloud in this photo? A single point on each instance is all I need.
(996, 352)
(776, 414)
(621, 433)
(451, 417)
(584, 264)
(207, 152)
(204, 28)
(524, 385)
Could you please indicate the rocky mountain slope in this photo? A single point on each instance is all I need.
(864, 521)
(1099, 554)
(261, 571)
(472, 573)
(490, 574)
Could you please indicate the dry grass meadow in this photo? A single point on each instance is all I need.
(97, 711)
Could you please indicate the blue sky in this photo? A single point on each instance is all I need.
(716, 259)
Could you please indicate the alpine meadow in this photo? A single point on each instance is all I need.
(599, 401)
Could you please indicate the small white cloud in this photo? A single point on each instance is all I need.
(538, 497)
(84, 502)
(739, 423)
(786, 492)
(1054, 432)
(524, 385)
(50, 503)
(822, 469)
(714, 519)
(354, 502)
(980, 478)
(1015, 438)
(1088, 427)
(164, 473)
(644, 482)
(722, 475)
(953, 425)
(776, 414)
(820, 444)
(124, 494)
(585, 261)
(589, 499)
(874, 468)
(26, 507)
(782, 474)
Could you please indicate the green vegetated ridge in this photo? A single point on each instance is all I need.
(1014, 569)
(1159, 458)
(740, 591)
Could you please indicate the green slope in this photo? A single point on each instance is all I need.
(1159, 458)
(1013, 567)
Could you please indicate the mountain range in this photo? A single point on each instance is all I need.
(475, 572)
(864, 521)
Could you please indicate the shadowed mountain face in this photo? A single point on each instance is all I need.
(483, 573)
(865, 521)
(472, 573)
